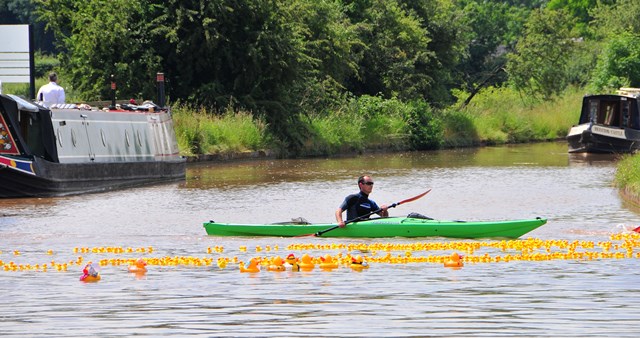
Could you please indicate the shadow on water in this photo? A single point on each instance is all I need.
(261, 172)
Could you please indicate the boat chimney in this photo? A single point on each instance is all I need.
(113, 92)
(160, 80)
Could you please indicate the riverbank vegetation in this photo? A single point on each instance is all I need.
(627, 178)
(315, 78)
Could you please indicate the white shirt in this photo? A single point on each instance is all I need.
(50, 94)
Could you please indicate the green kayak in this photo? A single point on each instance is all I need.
(384, 227)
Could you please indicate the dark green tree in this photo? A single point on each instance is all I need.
(493, 30)
(538, 67)
(611, 19)
(410, 49)
(248, 54)
(104, 38)
(619, 64)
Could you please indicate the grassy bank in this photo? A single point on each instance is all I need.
(627, 178)
(495, 116)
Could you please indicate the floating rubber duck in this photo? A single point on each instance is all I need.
(252, 267)
(306, 263)
(222, 263)
(328, 263)
(277, 264)
(455, 261)
(358, 264)
(293, 262)
(140, 266)
(89, 274)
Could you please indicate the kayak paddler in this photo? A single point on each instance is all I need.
(359, 205)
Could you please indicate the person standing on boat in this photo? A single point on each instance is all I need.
(359, 205)
(51, 93)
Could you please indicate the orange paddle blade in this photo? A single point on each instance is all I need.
(413, 198)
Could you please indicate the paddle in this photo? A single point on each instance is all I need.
(320, 233)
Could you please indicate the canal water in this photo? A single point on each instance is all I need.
(559, 297)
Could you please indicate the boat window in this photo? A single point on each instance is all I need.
(626, 121)
(126, 138)
(635, 117)
(59, 137)
(73, 138)
(30, 127)
(104, 139)
(593, 111)
(610, 113)
(139, 139)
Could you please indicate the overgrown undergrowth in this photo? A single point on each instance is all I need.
(628, 176)
(495, 116)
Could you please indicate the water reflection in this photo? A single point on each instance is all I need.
(260, 172)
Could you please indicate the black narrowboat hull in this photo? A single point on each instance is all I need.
(55, 179)
(600, 140)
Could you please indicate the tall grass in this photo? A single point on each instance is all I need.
(368, 122)
(502, 115)
(200, 131)
(627, 176)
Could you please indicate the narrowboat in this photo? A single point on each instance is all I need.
(73, 149)
(609, 123)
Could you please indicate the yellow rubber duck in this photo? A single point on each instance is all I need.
(358, 264)
(140, 266)
(89, 274)
(328, 263)
(455, 261)
(222, 263)
(277, 264)
(293, 262)
(252, 267)
(306, 263)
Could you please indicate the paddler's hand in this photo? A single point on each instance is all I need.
(385, 211)
(341, 224)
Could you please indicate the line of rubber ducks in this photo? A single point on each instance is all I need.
(620, 246)
(629, 241)
(304, 263)
(113, 249)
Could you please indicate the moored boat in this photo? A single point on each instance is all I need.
(608, 124)
(73, 149)
(384, 227)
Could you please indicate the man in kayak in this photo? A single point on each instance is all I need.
(359, 205)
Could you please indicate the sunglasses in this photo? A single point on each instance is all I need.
(367, 183)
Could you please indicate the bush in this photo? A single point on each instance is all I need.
(426, 129)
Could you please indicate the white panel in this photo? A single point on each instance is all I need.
(22, 56)
(15, 79)
(14, 71)
(14, 38)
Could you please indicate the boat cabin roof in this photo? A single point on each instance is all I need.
(627, 91)
(24, 105)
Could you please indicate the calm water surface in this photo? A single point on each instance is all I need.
(549, 298)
